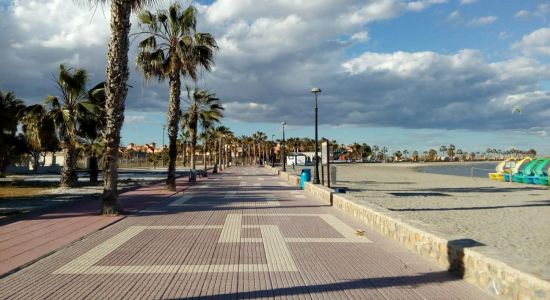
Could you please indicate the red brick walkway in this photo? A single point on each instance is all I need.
(243, 234)
(24, 241)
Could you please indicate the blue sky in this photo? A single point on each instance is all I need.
(402, 74)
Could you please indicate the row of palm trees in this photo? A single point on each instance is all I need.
(171, 48)
(72, 121)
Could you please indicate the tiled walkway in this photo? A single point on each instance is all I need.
(28, 239)
(242, 234)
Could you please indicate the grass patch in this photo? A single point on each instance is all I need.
(15, 191)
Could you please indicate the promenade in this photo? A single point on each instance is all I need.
(240, 234)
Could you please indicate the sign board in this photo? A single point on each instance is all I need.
(324, 153)
(297, 160)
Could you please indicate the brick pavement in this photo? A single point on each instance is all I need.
(26, 240)
(242, 234)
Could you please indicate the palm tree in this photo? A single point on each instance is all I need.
(115, 91)
(443, 149)
(259, 138)
(68, 114)
(415, 156)
(11, 145)
(39, 131)
(220, 134)
(173, 49)
(451, 151)
(206, 135)
(91, 130)
(203, 107)
(432, 155)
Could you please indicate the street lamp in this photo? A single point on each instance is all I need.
(316, 180)
(283, 160)
(272, 152)
(162, 153)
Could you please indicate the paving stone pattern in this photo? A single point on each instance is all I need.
(241, 234)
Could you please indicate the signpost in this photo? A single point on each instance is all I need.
(325, 160)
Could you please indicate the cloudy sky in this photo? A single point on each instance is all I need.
(397, 73)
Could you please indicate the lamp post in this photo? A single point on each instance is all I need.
(272, 152)
(162, 153)
(283, 160)
(316, 180)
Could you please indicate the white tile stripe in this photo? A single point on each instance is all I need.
(230, 194)
(85, 261)
(277, 253)
(171, 269)
(180, 201)
(231, 232)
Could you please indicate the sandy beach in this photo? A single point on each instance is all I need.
(512, 220)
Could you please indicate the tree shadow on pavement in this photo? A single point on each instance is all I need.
(411, 281)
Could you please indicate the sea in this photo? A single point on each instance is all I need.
(469, 169)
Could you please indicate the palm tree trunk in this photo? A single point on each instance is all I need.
(94, 172)
(216, 155)
(193, 145)
(184, 162)
(115, 90)
(173, 120)
(204, 148)
(68, 174)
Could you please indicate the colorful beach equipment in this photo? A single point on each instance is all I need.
(519, 166)
(529, 170)
(501, 168)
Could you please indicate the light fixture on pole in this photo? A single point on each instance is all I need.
(283, 160)
(316, 180)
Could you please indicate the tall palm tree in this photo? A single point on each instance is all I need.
(206, 136)
(68, 113)
(203, 107)
(173, 48)
(116, 90)
(220, 133)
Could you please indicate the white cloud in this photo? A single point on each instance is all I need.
(423, 4)
(273, 52)
(522, 14)
(62, 24)
(535, 43)
(362, 36)
(466, 2)
(432, 90)
(482, 21)
(503, 35)
(454, 16)
(543, 9)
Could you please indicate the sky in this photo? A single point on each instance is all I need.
(400, 74)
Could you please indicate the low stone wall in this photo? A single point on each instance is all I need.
(320, 192)
(294, 179)
(456, 254)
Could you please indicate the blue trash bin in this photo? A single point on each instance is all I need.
(305, 177)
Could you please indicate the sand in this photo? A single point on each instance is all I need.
(511, 219)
